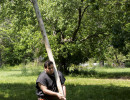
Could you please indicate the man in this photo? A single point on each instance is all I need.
(46, 84)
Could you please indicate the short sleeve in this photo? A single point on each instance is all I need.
(42, 79)
(62, 78)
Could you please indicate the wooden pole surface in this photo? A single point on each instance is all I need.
(47, 45)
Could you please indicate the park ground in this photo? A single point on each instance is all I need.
(18, 83)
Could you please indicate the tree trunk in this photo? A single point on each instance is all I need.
(117, 61)
(47, 45)
(101, 63)
(63, 65)
(65, 69)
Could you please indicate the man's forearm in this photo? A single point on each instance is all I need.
(46, 91)
(49, 92)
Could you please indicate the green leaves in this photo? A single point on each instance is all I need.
(77, 29)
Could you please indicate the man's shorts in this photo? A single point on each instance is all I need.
(41, 99)
(48, 98)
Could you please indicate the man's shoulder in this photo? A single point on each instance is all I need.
(59, 72)
(43, 74)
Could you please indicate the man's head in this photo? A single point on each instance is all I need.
(49, 68)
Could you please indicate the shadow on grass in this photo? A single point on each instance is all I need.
(97, 92)
(17, 92)
(74, 92)
(93, 73)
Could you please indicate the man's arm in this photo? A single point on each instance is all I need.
(49, 92)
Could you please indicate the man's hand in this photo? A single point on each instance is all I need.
(60, 96)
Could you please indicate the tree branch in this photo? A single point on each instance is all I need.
(84, 10)
(79, 21)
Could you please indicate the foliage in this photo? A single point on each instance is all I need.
(84, 29)
(77, 30)
(115, 58)
(127, 64)
(20, 39)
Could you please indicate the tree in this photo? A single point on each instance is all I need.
(21, 41)
(77, 29)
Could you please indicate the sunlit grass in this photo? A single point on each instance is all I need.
(111, 70)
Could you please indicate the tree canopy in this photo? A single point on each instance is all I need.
(77, 29)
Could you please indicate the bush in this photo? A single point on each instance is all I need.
(127, 64)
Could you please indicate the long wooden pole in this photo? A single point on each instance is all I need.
(47, 45)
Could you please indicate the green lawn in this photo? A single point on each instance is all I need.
(102, 72)
(20, 85)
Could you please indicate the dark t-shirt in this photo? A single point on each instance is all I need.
(48, 81)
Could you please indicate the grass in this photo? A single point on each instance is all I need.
(101, 72)
(16, 85)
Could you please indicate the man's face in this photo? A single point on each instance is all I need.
(50, 69)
